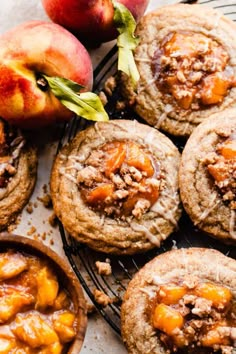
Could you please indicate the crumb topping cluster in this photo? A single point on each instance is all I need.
(222, 167)
(195, 317)
(120, 179)
(193, 69)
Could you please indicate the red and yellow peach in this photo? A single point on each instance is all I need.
(27, 51)
(90, 20)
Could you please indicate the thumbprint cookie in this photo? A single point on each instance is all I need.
(208, 176)
(186, 61)
(18, 170)
(114, 187)
(182, 301)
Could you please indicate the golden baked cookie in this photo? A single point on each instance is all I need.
(208, 176)
(182, 301)
(186, 60)
(115, 187)
(18, 171)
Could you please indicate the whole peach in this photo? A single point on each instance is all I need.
(27, 51)
(90, 20)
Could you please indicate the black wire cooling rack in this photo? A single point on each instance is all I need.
(81, 258)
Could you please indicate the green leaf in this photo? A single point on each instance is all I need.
(126, 41)
(86, 104)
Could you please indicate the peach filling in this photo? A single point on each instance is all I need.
(36, 312)
(193, 69)
(200, 317)
(222, 167)
(11, 143)
(120, 179)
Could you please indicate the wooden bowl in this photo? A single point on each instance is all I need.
(65, 276)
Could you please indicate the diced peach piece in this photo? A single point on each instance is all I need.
(100, 193)
(182, 43)
(61, 301)
(171, 82)
(218, 172)
(6, 345)
(171, 294)
(8, 342)
(5, 332)
(167, 319)
(129, 204)
(186, 101)
(11, 265)
(63, 324)
(32, 329)
(219, 295)
(22, 350)
(138, 158)
(214, 337)
(55, 348)
(47, 288)
(116, 156)
(151, 194)
(180, 340)
(214, 88)
(228, 150)
(12, 301)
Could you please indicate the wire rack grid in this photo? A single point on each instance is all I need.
(81, 258)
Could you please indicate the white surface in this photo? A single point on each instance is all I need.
(100, 338)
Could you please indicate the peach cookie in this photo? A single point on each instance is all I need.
(115, 187)
(208, 176)
(18, 168)
(37, 314)
(186, 63)
(183, 301)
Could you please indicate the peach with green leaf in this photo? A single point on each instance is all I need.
(94, 22)
(45, 73)
(91, 20)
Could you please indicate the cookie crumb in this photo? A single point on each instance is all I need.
(11, 228)
(31, 231)
(104, 268)
(46, 200)
(120, 105)
(101, 298)
(110, 85)
(45, 189)
(44, 235)
(90, 308)
(29, 208)
(52, 220)
(103, 98)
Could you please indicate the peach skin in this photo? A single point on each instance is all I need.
(91, 21)
(27, 51)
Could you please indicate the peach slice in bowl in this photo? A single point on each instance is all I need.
(43, 309)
